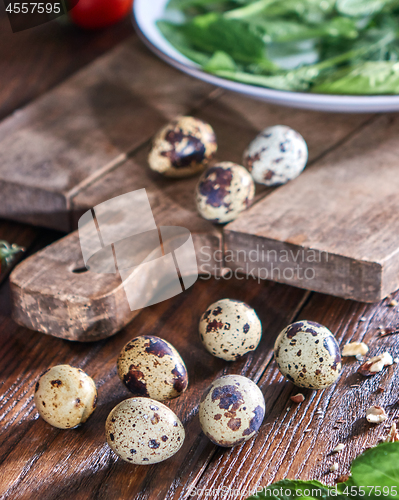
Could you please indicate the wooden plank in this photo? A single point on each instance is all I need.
(35, 60)
(37, 460)
(48, 294)
(338, 219)
(84, 127)
(45, 287)
(296, 441)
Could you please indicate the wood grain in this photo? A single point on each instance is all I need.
(75, 133)
(84, 462)
(81, 457)
(341, 213)
(296, 441)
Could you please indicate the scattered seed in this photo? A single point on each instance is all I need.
(298, 398)
(334, 467)
(355, 349)
(393, 435)
(376, 415)
(307, 430)
(338, 448)
(375, 364)
(363, 319)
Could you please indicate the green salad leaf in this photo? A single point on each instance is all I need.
(369, 78)
(324, 46)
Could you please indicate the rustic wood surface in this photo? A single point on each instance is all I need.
(48, 295)
(37, 461)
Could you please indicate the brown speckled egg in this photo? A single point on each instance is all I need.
(229, 329)
(308, 355)
(276, 156)
(183, 147)
(231, 410)
(142, 431)
(150, 366)
(224, 191)
(65, 396)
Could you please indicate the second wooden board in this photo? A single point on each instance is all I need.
(335, 229)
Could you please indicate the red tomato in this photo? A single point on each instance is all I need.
(93, 14)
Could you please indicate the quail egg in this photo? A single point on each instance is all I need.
(150, 366)
(229, 329)
(142, 431)
(224, 191)
(308, 355)
(65, 396)
(231, 410)
(276, 156)
(183, 147)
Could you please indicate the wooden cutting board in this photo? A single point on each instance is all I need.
(87, 141)
(338, 221)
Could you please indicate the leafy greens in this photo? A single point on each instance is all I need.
(374, 474)
(324, 46)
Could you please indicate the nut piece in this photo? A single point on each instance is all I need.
(393, 435)
(393, 303)
(334, 467)
(376, 415)
(338, 448)
(376, 364)
(355, 348)
(298, 398)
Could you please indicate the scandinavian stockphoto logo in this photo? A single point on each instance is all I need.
(120, 235)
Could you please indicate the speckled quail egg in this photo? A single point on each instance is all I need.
(276, 156)
(231, 410)
(308, 355)
(224, 191)
(142, 431)
(150, 366)
(229, 329)
(183, 147)
(65, 396)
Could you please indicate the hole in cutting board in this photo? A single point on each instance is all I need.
(80, 270)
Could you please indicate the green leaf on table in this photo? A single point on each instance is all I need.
(377, 470)
(374, 475)
(367, 78)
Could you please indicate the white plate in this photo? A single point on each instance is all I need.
(148, 12)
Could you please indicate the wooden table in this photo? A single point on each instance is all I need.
(295, 441)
